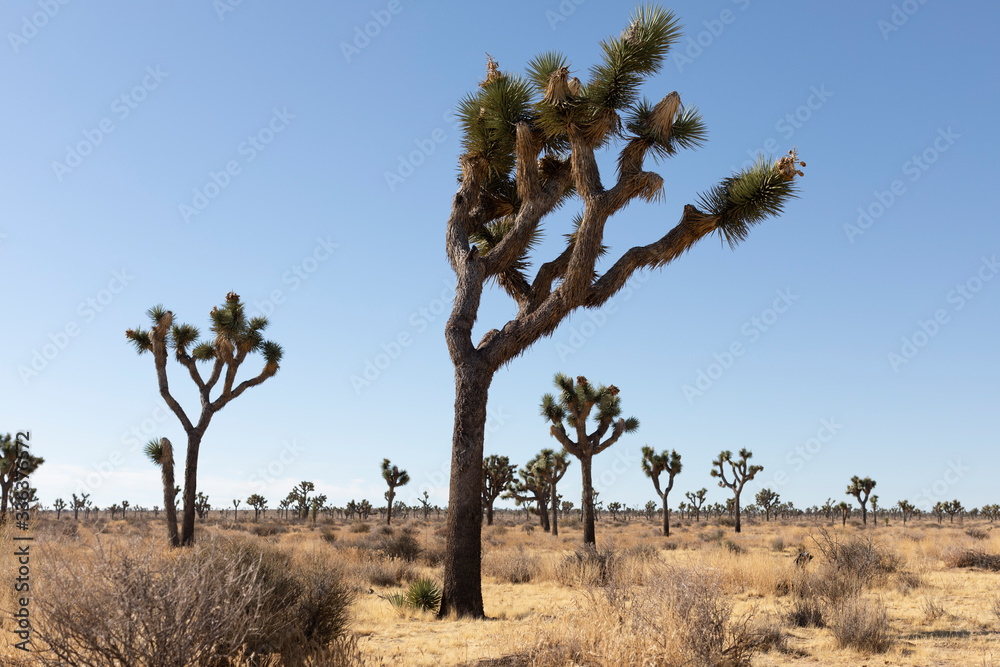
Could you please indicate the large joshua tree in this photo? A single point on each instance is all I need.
(530, 145)
(858, 488)
(161, 452)
(394, 477)
(653, 464)
(235, 337)
(574, 405)
(742, 472)
(551, 466)
(15, 465)
(498, 474)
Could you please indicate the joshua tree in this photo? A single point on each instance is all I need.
(59, 505)
(905, 509)
(80, 503)
(828, 507)
(425, 505)
(861, 487)
(742, 473)
(653, 464)
(284, 505)
(161, 453)
(696, 499)
(201, 505)
(258, 503)
(551, 466)
(235, 337)
(236, 509)
(530, 145)
(498, 475)
(299, 496)
(875, 511)
(15, 465)
(767, 500)
(952, 508)
(650, 509)
(125, 505)
(614, 508)
(531, 488)
(315, 505)
(394, 477)
(845, 511)
(566, 506)
(575, 402)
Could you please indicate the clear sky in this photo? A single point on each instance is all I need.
(303, 155)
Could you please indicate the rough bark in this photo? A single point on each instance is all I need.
(589, 529)
(167, 468)
(555, 511)
(190, 486)
(462, 592)
(666, 517)
(388, 511)
(736, 505)
(489, 514)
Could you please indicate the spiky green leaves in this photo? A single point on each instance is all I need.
(140, 339)
(637, 53)
(272, 352)
(492, 233)
(154, 451)
(489, 118)
(182, 336)
(653, 464)
(686, 131)
(747, 199)
(156, 313)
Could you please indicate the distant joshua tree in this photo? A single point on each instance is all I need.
(551, 466)
(767, 500)
(952, 508)
(875, 511)
(742, 473)
(15, 464)
(696, 499)
(235, 337)
(161, 453)
(650, 509)
(531, 488)
(394, 477)
(653, 464)
(425, 505)
(498, 475)
(905, 509)
(575, 402)
(59, 505)
(258, 503)
(315, 505)
(845, 511)
(201, 505)
(299, 496)
(858, 488)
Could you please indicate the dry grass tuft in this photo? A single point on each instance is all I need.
(862, 625)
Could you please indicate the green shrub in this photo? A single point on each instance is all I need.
(424, 594)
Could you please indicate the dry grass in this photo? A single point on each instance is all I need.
(923, 594)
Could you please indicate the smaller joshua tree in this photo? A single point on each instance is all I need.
(498, 475)
(768, 500)
(531, 488)
(696, 500)
(258, 503)
(574, 405)
(845, 511)
(858, 488)
(394, 477)
(905, 509)
(550, 466)
(653, 464)
(742, 472)
(59, 505)
(161, 452)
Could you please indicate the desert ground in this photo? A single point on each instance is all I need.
(921, 594)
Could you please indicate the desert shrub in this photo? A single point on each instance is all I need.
(642, 552)
(424, 594)
(853, 563)
(732, 547)
(529, 528)
(328, 534)
(932, 609)
(669, 546)
(498, 529)
(265, 529)
(227, 597)
(382, 572)
(570, 523)
(977, 533)
(768, 636)
(510, 566)
(432, 555)
(973, 558)
(586, 567)
(360, 527)
(397, 599)
(995, 606)
(713, 535)
(806, 612)
(727, 522)
(907, 581)
(403, 546)
(862, 625)
(778, 544)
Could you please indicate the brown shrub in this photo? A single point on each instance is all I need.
(510, 566)
(973, 558)
(862, 625)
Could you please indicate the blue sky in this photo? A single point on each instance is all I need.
(303, 155)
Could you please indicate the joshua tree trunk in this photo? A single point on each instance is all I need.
(589, 530)
(462, 571)
(666, 517)
(489, 515)
(555, 512)
(388, 510)
(167, 464)
(190, 484)
(737, 508)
